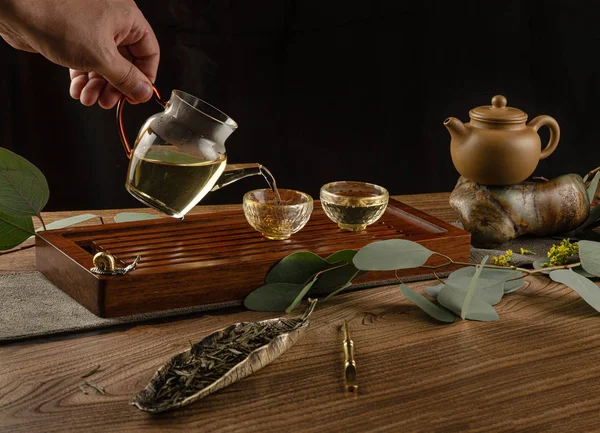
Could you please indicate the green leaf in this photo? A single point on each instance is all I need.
(591, 190)
(301, 295)
(390, 255)
(14, 230)
(594, 216)
(426, 305)
(272, 297)
(345, 286)
(124, 217)
(453, 299)
(335, 278)
(490, 277)
(585, 178)
(434, 291)
(23, 188)
(471, 289)
(589, 255)
(66, 222)
(587, 289)
(297, 268)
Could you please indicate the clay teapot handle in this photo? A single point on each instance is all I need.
(548, 121)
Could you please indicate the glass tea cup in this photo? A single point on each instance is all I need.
(275, 219)
(353, 205)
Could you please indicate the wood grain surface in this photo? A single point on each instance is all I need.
(535, 370)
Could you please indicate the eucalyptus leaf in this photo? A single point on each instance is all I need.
(334, 278)
(472, 289)
(272, 297)
(434, 310)
(591, 190)
(14, 230)
(23, 188)
(300, 295)
(345, 286)
(297, 268)
(490, 294)
(390, 255)
(593, 218)
(489, 277)
(66, 222)
(124, 217)
(434, 291)
(589, 254)
(587, 289)
(453, 299)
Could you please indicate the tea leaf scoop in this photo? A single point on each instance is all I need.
(218, 360)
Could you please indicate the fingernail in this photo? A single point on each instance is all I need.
(142, 92)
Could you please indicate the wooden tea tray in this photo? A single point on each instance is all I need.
(215, 257)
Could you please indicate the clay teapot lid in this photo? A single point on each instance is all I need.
(498, 112)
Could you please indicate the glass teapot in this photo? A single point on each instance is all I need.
(179, 154)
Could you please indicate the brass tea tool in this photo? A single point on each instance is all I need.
(105, 264)
(349, 363)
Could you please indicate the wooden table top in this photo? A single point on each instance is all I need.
(537, 369)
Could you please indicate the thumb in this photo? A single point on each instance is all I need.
(127, 79)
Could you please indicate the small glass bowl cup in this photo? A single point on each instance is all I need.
(277, 221)
(353, 205)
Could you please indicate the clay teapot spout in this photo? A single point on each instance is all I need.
(458, 130)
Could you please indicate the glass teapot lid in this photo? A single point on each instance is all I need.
(498, 112)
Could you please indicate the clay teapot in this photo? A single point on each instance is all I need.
(498, 147)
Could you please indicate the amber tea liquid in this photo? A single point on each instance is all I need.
(171, 181)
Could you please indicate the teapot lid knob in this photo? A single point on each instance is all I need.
(499, 101)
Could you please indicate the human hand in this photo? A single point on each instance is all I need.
(108, 45)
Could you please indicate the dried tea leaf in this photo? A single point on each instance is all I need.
(219, 360)
(89, 373)
(390, 255)
(435, 311)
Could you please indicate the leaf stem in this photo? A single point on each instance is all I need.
(39, 215)
(514, 268)
(14, 250)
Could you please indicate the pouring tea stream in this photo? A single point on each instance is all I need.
(179, 155)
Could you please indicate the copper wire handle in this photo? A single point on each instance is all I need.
(120, 106)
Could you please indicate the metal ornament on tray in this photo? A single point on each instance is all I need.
(218, 360)
(105, 264)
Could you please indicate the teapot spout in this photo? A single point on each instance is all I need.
(456, 128)
(235, 172)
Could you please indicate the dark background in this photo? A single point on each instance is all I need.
(324, 90)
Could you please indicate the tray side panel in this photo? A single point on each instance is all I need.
(55, 263)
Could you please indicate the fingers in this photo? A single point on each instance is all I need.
(78, 81)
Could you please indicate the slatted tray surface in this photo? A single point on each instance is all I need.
(213, 258)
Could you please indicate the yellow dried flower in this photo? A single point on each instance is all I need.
(524, 251)
(504, 259)
(559, 254)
